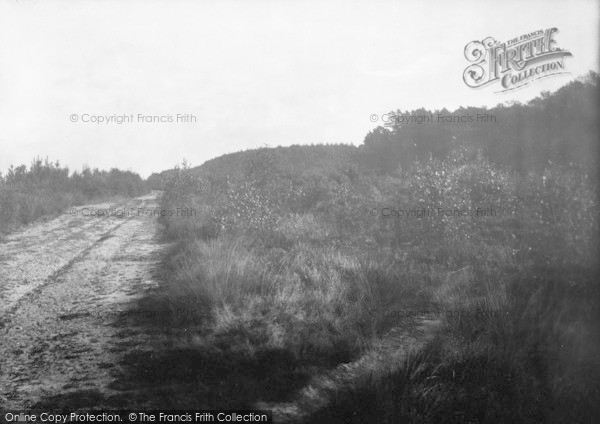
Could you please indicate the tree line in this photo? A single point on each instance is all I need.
(554, 128)
(46, 188)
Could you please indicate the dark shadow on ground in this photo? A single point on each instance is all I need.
(162, 376)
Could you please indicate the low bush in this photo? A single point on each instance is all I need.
(47, 188)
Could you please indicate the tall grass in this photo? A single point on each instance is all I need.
(300, 264)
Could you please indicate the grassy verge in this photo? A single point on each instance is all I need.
(301, 265)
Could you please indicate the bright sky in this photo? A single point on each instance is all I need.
(252, 72)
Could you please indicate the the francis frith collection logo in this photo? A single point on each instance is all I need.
(516, 62)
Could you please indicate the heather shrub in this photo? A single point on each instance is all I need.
(300, 264)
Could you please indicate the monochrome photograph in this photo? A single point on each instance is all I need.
(289, 211)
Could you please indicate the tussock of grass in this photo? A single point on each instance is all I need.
(533, 360)
(312, 302)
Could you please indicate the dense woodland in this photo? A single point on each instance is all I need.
(559, 128)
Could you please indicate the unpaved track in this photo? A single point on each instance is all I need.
(63, 286)
(389, 353)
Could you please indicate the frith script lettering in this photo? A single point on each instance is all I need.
(514, 63)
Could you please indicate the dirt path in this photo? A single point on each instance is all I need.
(63, 286)
(388, 353)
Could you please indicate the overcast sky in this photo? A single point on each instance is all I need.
(252, 72)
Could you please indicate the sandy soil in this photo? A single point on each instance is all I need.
(64, 286)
